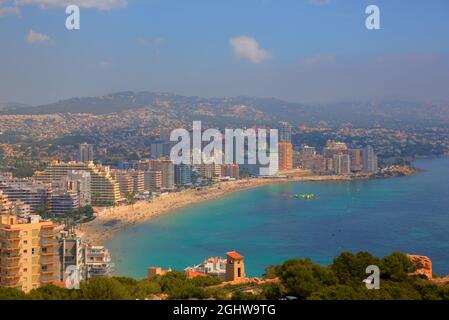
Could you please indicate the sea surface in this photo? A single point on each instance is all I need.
(268, 226)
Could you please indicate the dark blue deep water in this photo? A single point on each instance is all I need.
(407, 214)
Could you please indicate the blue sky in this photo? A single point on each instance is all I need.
(298, 50)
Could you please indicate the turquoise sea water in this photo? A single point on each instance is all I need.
(407, 214)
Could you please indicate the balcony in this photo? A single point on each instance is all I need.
(9, 264)
(15, 283)
(46, 279)
(7, 244)
(51, 260)
(49, 253)
(9, 238)
(49, 271)
(47, 232)
(44, 235)
(11, 275)
(9, 256)
(48, 242)
(8, 235)
(11, 248)
(100, 273)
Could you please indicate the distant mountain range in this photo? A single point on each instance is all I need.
(11, 106)
(247, 109)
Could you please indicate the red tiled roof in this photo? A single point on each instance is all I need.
(234, 255)
(59, 284)
(193, 274)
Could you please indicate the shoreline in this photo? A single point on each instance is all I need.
(110, 221)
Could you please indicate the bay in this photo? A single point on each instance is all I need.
(268, 226)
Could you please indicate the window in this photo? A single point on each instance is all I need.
(32, 250)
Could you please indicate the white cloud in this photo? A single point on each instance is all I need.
(97, 4)
(36, 37)
(247, 48)
(9, 11)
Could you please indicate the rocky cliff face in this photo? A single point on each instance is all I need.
(423, 265)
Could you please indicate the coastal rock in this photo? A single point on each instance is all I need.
(423, 265)
(397, 171)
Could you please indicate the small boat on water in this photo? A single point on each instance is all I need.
(308, 196)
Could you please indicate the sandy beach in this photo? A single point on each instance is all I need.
(109, 221)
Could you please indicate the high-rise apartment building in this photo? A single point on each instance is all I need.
(71, 253)
(160, 149)
(369, 160)
(5, 204)
(79, 182)
(20, 209)
(333, 147)
(315, 163)
(130, 181)
(125, 182)
(230, 170)
(28, 253)
(86, 152)
(33, 193)
(138, 180)
(356, 159)
(166, 167)
(152, 181)
(342, 164)
(285, 132)
(98, 262)
(296, 159)
(183, 174)
(209, 171)
(61, 202)
(307, 151)
(285, 155)
(104, 189)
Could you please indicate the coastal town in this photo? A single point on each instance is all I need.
(64, 211)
